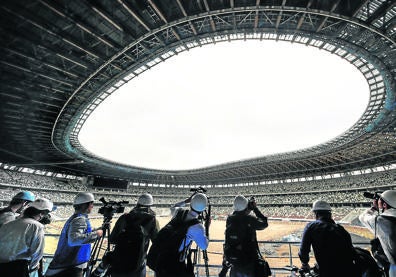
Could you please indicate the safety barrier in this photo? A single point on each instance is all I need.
(281, 256)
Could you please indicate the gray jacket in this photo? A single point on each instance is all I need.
(6, 215)
(22, 239)
(384, 226)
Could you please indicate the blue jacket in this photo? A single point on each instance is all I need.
(74, 246)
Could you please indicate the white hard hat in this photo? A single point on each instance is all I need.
(320, 205)
(42, 204)
(389, 196)
(240, 203)
(199, 202)
(83, 197)
(145, 199)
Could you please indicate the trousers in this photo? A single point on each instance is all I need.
(18, 268)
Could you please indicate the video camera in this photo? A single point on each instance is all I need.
(46, 219)
(375, 196)
(109, 208)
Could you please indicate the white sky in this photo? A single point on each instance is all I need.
(225, 102)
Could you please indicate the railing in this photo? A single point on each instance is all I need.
(281, 256)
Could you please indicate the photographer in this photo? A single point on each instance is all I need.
(381, 220)
(331, 244)
(198, 203)
(241, 248)
(22, 240)
(74, 249)
(131, 235)
(16, 206)
(173, 248)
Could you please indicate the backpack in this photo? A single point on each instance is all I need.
(379, 254)
(240, 246)
(164, 252)
(333, 249)
(129, 251)
(388, 230)
(365, 263)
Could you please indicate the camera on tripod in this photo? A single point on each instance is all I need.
(109, 208)
(375, 196)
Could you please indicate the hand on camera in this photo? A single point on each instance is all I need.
(374, 205)
(99, 233)
(188, 200)
(252, 204)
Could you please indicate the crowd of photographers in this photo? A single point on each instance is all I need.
(22, 236)
(26, 214)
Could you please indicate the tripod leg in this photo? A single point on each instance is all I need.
(94, 255)
(102, 268)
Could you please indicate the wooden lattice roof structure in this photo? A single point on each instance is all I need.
(61, 58)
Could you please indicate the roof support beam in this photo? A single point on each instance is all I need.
(359, 7)
(278, 19)
(381, 11)
(133, 14)
(301, 20)
(106, 17)
(161, 15)
(212, 23)
(322, 23)
(76, 22)
(185, 14)
(60, 36)
(66, 72)
(256, 18)
(35, 73)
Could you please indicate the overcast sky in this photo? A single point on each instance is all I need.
(225, 102)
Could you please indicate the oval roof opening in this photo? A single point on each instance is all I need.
(226, 102)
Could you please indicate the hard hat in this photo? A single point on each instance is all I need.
(145, 199)
(83, 197)
(43, 204)
(240, 203)
(389, 196)
(24, 195)
(320, 205)
(199, 202)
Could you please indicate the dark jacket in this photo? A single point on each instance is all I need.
(247, 224)
(332, 246)
(146, 216)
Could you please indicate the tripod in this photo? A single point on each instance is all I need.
(205, 219)
(89, 271)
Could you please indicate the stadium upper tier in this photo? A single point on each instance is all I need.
(61, 59)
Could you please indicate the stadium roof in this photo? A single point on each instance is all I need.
(60, 59)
